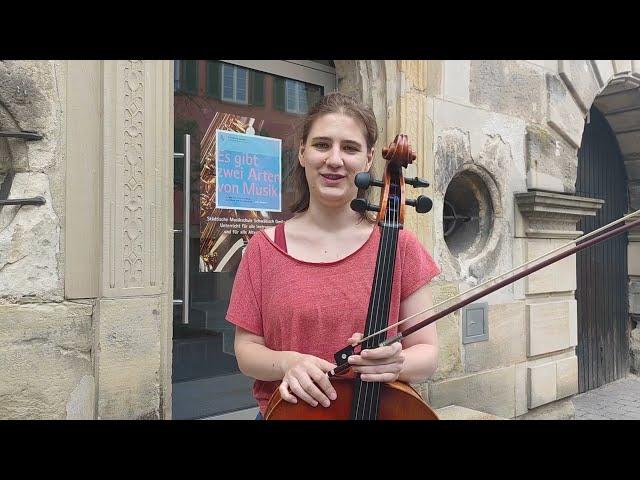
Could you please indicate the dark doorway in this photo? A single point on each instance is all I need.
(602, 280)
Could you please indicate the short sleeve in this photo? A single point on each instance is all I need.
(244, 306)
(418, 267)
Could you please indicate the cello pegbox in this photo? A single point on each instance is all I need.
(422, 204)
(365, 180)
(416, 182)
(361, 205)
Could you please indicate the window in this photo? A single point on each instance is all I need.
(296, 97)
(185, 76)
(299, 96)
(235, 84)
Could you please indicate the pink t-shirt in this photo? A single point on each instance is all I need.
(314, 308)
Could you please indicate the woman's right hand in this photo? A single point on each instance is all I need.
(306, 378)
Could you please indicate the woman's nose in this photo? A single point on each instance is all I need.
(335, 157)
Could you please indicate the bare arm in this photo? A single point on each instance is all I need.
(420, 349)
(257, 361)
(303, 376)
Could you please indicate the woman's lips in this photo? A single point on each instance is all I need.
(330, 179)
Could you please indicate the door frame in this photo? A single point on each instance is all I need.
(302, 70)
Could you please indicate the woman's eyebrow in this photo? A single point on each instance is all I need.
(329, 139)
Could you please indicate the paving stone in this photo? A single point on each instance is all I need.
(619, 400)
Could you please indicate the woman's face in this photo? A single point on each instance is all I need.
(335, 151)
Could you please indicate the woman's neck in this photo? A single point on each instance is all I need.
(332, 219)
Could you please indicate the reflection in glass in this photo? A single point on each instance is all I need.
(212, 95)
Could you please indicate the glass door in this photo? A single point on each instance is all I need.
(216, 211)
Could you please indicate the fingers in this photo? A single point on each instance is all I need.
(322, 380)
(285, 394)
(301, 392)
(381, 378)
(382, 364)
(395, 368)
(309, 382)
(324, 365)
(355, 338)
(379, 373)
(380, 355)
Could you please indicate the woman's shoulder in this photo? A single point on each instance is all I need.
(255, 243)
(407, 237)
(410, 245)
(270, 232)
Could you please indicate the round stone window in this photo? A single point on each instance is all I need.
(467, 214)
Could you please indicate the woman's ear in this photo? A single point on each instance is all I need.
(370, 158)
(301, 154)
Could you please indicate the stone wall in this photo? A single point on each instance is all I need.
(31, 260)
(519, 123)
(46, 343)
(46, 364)
(85, 317)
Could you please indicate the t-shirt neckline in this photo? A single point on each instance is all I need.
(352, 254)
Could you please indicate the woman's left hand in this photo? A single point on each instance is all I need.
(382, 364)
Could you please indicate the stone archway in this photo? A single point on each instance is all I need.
(612, 86)
(601, 272)
(619, 101)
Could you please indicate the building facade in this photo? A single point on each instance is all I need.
(113, 290)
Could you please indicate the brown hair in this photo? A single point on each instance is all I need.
(334, 102)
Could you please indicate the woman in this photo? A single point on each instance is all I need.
(302, 289)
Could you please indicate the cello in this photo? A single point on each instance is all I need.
(358, 400)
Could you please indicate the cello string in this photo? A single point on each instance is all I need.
(388, 256)
(448, 300)
(379, 289)
(393, 253)
(365, 400)
(360, 403)
(389, 277)
(388, 263)
(369, 398)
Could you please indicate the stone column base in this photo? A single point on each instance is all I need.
(558, 410)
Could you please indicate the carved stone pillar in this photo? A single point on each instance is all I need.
(134, 313)
(119, 219)
(544, 222)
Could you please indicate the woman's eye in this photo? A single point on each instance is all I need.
(351, 148)
(321, 145)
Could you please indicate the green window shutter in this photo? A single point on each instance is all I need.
(256, 88)
(278, 93)
(213, 78)
(191, 76)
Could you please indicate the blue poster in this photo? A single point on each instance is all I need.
(248, 172)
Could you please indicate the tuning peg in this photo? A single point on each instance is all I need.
(423, 204)
(365, 180)
(416, 182)
(361, 205)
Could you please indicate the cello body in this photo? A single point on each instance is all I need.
(398, 401)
